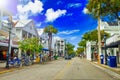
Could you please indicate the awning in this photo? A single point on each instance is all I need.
(113, 41)
(113, 44)
(45, 49)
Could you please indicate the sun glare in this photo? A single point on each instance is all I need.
(3, 3)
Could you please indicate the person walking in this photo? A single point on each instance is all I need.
(41, 58)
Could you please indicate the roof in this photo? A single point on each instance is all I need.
(3, 33)
(17, 23)
(40, 31)
(22, 23)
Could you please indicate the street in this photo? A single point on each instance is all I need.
(74, 69)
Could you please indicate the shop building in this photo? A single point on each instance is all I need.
(112, 43)
(20, 30)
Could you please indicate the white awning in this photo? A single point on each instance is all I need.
(113, 40)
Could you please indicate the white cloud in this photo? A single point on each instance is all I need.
(52, 15)
(24, 11)
(85, 11)
(73, 38)
(68, 32)
(38, 24)
(74, 5)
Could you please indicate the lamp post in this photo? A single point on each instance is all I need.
(65, 48)
(9, 42)
(105, 49)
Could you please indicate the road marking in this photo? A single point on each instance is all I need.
(61, 73)
(5, 71)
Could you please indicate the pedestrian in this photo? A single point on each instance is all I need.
(92, 56)
(41, 58)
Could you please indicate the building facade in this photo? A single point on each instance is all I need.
(91, 51)
(59, 47)
(112, 43)
(20, 30)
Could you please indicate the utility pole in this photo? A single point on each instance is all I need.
(99, 35)
(9, 41)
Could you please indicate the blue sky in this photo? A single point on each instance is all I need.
(68, 16)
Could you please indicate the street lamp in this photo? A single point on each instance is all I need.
(92, 55)
(9, 42)
(105, 49)
(65, 48)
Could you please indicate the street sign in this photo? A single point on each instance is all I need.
(5, 26)
(3, 12)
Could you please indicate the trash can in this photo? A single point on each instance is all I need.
(101, 59)
(112, 61)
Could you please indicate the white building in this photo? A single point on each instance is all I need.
(56, 49)
(110, 27)
(113, 28)
(59, 46)
(112, 43)
(90, 47)
(88, 51)
(21, 29)
(43, 38)
(25, 29)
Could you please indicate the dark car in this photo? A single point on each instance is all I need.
(67, 57)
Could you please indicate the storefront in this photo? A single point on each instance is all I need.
(113, 46)
(4, 49)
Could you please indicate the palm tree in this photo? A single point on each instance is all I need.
(50, 30)
(104, 7)
(94, 9)
(101, 8)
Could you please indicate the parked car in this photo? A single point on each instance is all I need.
(67, 57)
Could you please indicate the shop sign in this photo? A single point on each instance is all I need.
(3, 40)
(112, 39)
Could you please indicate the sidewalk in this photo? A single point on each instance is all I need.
(3, 69)
(114, 71)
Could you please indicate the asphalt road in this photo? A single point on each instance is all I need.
(75, 69)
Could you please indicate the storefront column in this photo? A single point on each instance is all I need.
(115, 52)
(118, 53)
(19, 53)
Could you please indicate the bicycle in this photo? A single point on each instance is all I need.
(16, 62)
(26, 61)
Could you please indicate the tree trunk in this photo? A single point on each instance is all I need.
(49, 44)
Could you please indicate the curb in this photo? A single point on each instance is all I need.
(107, 70)
(5, 71)
(10, 70)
